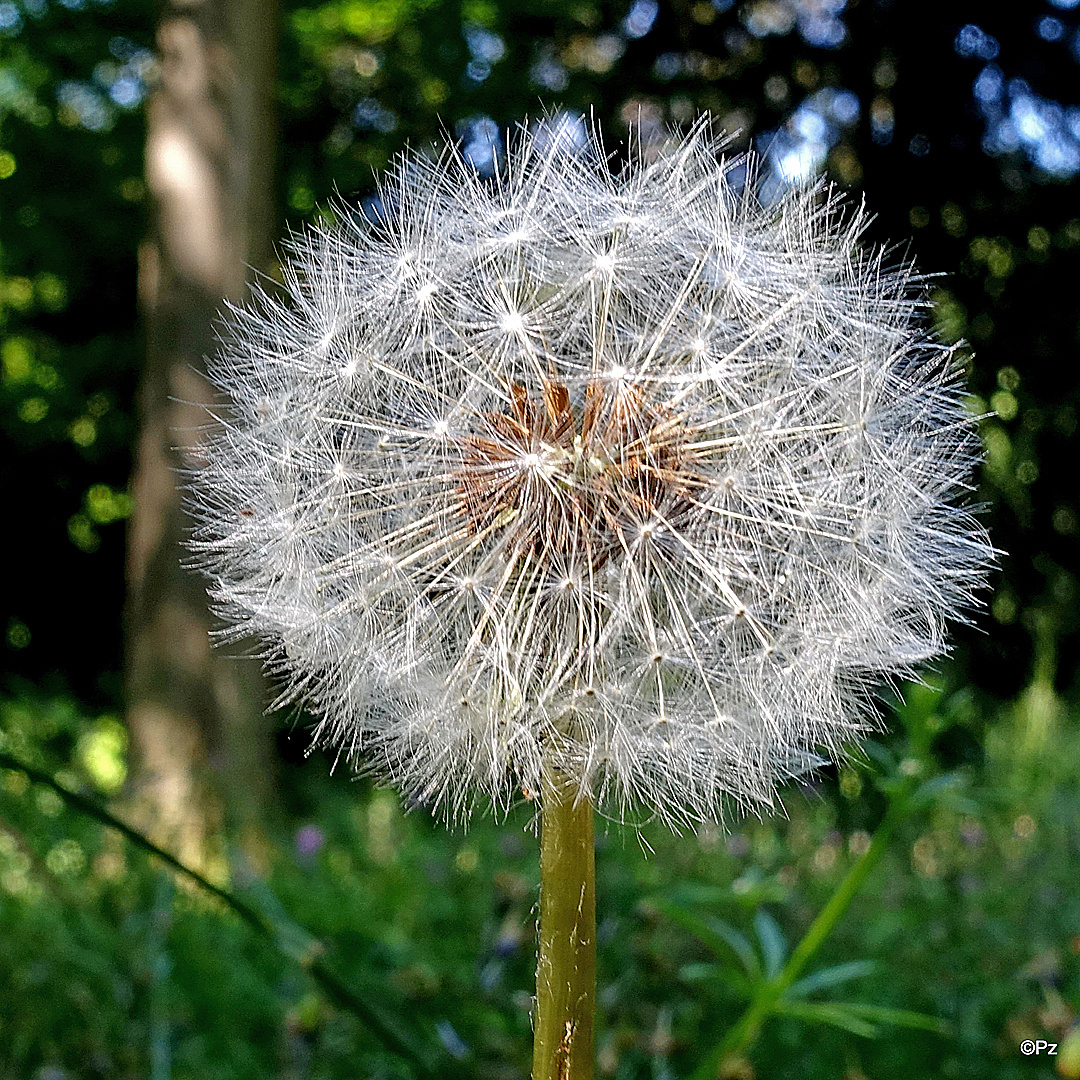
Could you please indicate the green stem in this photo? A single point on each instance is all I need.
(745, 1030)
(382, 1027)
(566, 963)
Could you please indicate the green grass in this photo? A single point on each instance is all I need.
(961, 941)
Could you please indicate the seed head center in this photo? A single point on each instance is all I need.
(569, 481)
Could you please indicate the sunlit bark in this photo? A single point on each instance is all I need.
(200, 743)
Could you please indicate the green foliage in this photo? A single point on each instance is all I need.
(70, 186)
(922, 925)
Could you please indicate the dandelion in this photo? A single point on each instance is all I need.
(616, 487)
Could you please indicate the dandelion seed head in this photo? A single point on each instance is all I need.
(619, 474)
(512, 323)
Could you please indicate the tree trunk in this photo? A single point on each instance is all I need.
(200, 744)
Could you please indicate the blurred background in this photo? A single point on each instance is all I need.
(150, 160)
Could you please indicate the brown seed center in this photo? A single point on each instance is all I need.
(575, 484)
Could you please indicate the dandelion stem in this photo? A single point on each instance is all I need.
(566, 965)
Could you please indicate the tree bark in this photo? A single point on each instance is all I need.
(200, 744)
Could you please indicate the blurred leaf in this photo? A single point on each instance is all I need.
(815, 1012)
(858, 1018)
(830, 976)
(704, 972)
(880, 754)
(945, 789)
(717, 935)
(773, 944)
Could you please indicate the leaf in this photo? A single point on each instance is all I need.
(830, 976)
(884, 1014)
(883, 756)
(933, 789)
(773, 943)
(716, 935)
(858, 1018)
(817, 1012)
(710, 972)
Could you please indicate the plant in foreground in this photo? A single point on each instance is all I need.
(618, 489)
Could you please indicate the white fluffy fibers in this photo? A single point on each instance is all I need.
(621, 475)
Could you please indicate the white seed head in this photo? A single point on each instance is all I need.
(629, 477)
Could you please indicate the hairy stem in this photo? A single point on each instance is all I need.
(566, 965)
